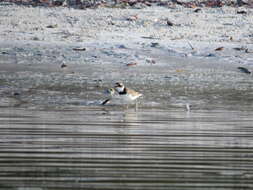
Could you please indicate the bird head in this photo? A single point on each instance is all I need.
(119, 87)
(110, 91)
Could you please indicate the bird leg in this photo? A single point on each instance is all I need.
(136, 105)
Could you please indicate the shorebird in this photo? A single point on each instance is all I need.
(111, 92)
(125, 95)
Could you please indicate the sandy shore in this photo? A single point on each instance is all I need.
(206, 30)
(169, 64)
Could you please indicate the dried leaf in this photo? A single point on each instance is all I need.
(219, 49)
(131, 64)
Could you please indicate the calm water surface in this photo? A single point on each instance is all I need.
(113, 148)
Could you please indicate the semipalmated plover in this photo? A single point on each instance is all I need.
(122, 94)
(111, 92)
(126, 93)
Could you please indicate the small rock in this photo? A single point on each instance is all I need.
(63, 65)
(151, 61)
(35, 39)
(154, 44)
(241, 12)
(52, 26)
(122, 46)
(197, 10)
(168, 77)
(16, 94)
(211, 55)
(169, 23)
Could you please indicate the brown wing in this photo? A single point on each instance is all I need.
(133, 92)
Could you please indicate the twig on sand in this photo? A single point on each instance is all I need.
(219, 49)
(150, 37)
(191, 46)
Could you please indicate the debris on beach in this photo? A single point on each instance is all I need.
(132, 18)
(179, 70)
(52, 26)
(246, 50)
(219, 49)
(150, 37)
(4, 53)
(191, 45)
(154, 44)
(244, 70)
(211, 55)
(122, 46)
(197, 10)
(16, 94)
(169, 23)
(213, 3)
(239, 48)
(79, 49)
(241, 12)
(151, 61)
(63, 65)
(35, 38)
(131, 64)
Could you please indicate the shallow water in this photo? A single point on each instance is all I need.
(110, 148)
